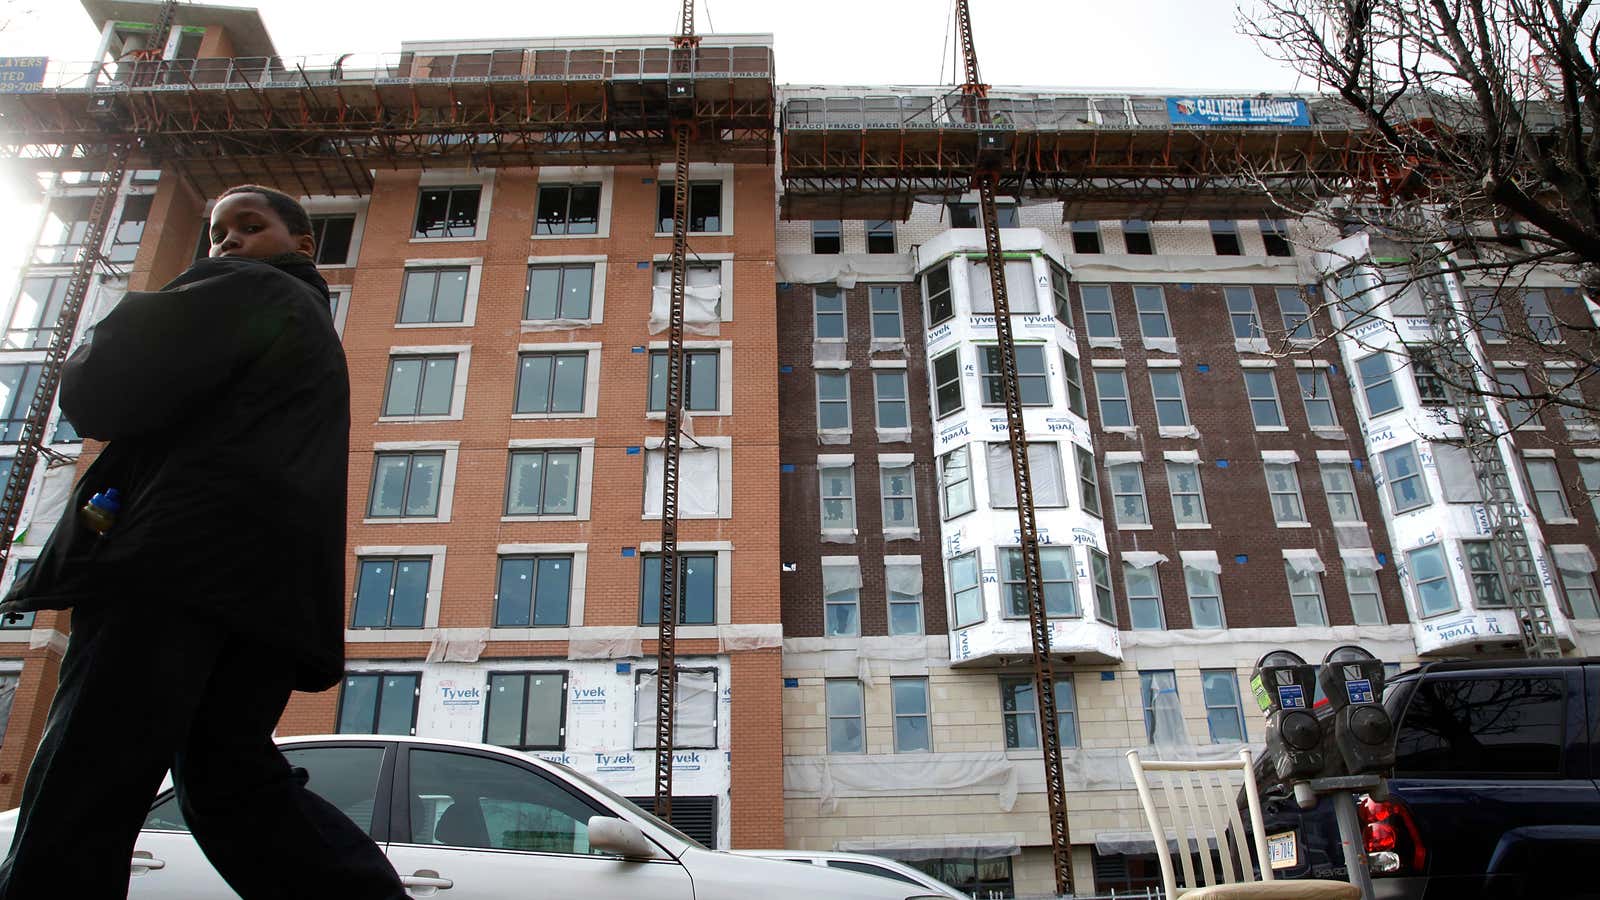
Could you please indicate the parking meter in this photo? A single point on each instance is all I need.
(1353, 680)
(1283, 685)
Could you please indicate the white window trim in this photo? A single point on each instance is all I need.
(591, 378)
(457, 178)
(905, 381)
(597, 290)
(1299, 492)
(469, 311)
(725, 277)
(575, 592)
(1144, 494)
(343, 292)
(903, 561)
(849, 405)
(900, 461)
(430, 613)
(844, 314)
(722, 172)
(585, 485)
(458, 388)
(447, 480)
(605, 175)
(724, 378)
(840, 461)
(724, 552)
(844, 562)
(343, 206)
(724, 447)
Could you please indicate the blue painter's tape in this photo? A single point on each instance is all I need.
(1222, 464)
(1185, 286)
(1383, 559)
(785, 370)
(786, 467)
(1108, 676)
(791, 682)
(641, 265)
(636, 348)
(629, 552)
(1241, 559)
(1202, 367)
(633, 451)
(1356, 463)
(647, 181)
(624, 668)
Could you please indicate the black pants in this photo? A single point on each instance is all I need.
(148, 687)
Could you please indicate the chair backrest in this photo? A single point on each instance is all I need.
(1200, 809)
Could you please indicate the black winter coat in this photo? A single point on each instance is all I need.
(226, 404)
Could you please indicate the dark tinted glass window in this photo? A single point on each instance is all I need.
(851, 865)
(332, 234)
(347, 777)
(1490, 726)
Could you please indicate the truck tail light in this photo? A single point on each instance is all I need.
(1393, 843)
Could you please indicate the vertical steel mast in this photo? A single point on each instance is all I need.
(975, 99)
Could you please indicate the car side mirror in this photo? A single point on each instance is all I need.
(623, 838)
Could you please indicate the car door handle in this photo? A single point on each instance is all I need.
(426, 878)
(143, 859)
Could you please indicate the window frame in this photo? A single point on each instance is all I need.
(1137, 239)
(1275, 238)
(975, 589)
(1313, 580)
(1378, 381)
(1541, 495)
(1176, 376)
(512, 458)
(1148, 689)
(1391, 482)
(1009, 587)
(549, 410)
(1086, 237)
(696, 188)
(1072, 371)
(829, 715)
(692, 357)
(939, 386)
(423, 356)
(1102, 397)
(677, 705)
(821, 234)
(875, 228)
(569, 188)
(884, 470)
(522, 722)
(1036, 463)
(395, 561)
(1196, 598)
(926, 715)
(1105, 595)
(562, 269)
(684, 557)
(1295, 320)
(946, 485)
(1142, 294)
(852, 602)
(1154, 600)
(1225, 239)
(377, 707)
(411, 456)
(891, 293)
(1255, 378)
(940, 304)
(823, 497)
(1251, 317)
(1342, 469)
(450, 190)
(1066, 733)
(1117, 494)
(1437, 548)
(437, 270)
(819, 294)
(1237, 706)
(1268, 467)
(1319, 383)
(319, 231)
(501, 559)
(1198, 493)
(1088, 482)
(1482, 567)
(1376, 593)
(879, 400)
(988, 379)
(1106, 315)
(1425, 377)
(843, 375)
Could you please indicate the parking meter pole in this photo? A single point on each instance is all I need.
(1355, 856)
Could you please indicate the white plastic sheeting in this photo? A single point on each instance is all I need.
(1355, 537)
(605, 642)
(694, 720)
(48, 502)
(902, 534)
(1201, 561)
(827, 354)
(912, 774)
(1304, 562)
(732, 638)
(1359, 560)
(1044, 467)
(845, 269)
(702, 300)
(978, 846)
(1460, 484)
(894, 435)
(840, 576)
(1143, 559)
(1573, 558)
(555, 325)
(903, 578)
(457, 644)
(699, 482)
(1021, 295)
(853, 657)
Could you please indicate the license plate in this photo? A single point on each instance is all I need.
(1282, 851)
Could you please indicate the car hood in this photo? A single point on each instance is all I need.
(719, 875)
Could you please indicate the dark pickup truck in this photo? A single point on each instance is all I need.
(1494, 791)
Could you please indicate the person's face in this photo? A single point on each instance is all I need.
(246, 225)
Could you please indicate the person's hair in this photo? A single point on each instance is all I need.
(288, 208)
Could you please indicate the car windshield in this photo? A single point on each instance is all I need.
(627, 804)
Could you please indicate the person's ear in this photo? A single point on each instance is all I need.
(306, 246)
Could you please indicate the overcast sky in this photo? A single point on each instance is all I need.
(1181, 44)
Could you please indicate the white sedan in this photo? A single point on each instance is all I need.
(865, 863)
(463, 821)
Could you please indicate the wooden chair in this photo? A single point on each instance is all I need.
(1201, 812)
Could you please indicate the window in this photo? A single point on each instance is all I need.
(1112, 387)
(969, 873)
(694, 704)
(1430, 387)
(1085, 237)
(542, 483)
(1224, 715)
(825, 236)
(1242, 315)
(1056, 571)
(346, 777)
(1153, 684)
(1339, 484)
(1460, 727)
(33, 319)
(1357, 298)
(436, 296)
(703, 295)
(1275, 235)
(697, 589)
(420, 385)
(1366, 603)
(841, 598)
(526, 710)
(847, 731)
(705, 207)
(899, 496)
(1545, 480)
(558, 292)
(967, 215)
(379, 703)
(1406, 487)
(1059, 295)
(1377, 383)
(1019, 713)
(1021, 295)
(701, 380)
(130, 229)
(1317, 395)
(1296, 315)
(1144, 597)
(1225, 237)
(947, 382)
(1488, 587)
(1570, 403)
(390, 592)
(551, 382)
(1044, 467)
(406, 485)
(886, 322)
(18, 383)
(1488, 314)
(1099, 319)
(955, 478)
(827, 305)
(1283, 487)
(19, 621)
(838, 497)
(880, 236)
(1520, 412)
(699, 482)
(1151, 304)
(1033, 382)
(1581, 595)
(1205, 597)
(1136, 237)
(1430, 578)
(1305, 594)
(936, 288)
(966, 595)
(1167, 387)
(66, 230)
(1262, 390)
(833, 401)
(1127, 494)
(450, 212)
(533, 591)
(1074, 374)
(893, 411)
(1589, 469)
(903, 583)
(1088, 481)
(911, 732)
(1188, 503)
(1541, 324)
(1105, 604)
(332, 235)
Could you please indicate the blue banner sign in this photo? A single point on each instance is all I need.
(1238, 111)
(21, 74)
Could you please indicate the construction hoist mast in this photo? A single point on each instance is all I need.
(30, 443)
(666, 639)
(976, 103)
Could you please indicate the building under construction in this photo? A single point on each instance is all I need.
(1219, 464)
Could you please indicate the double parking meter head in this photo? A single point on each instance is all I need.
(1284, 685)
(1362, 731)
